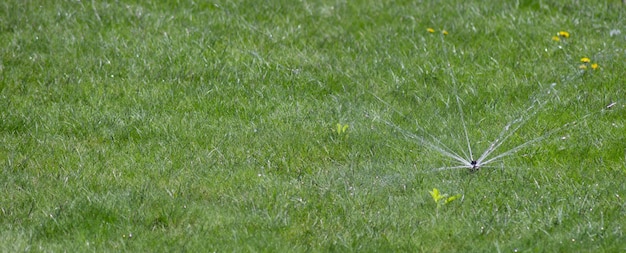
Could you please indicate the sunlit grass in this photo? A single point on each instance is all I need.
(240, 126)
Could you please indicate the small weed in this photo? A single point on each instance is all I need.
(442, 198)
(341, 129)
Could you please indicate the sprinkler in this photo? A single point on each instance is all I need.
(475, 166)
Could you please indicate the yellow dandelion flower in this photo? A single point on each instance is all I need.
(585, 60)
(563, 34)
(594, 66)
(444, 32)
(582, 66)
(430, 30)
(556, 38)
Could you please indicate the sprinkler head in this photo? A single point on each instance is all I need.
(475, 166)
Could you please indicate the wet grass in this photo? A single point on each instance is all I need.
(186, 126)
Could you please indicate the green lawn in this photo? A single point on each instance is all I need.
(167, 126)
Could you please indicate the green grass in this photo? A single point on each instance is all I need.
(159, 126)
